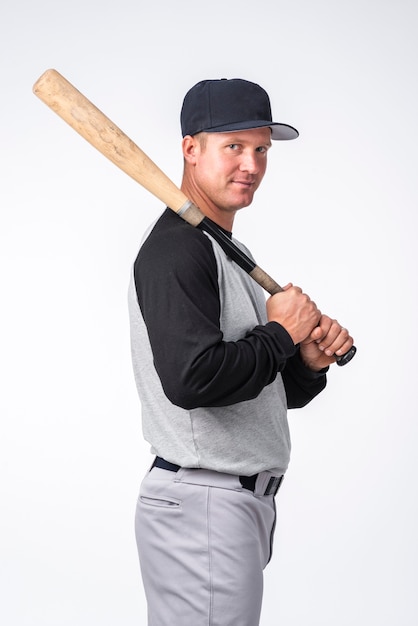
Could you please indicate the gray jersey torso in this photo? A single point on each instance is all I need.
(244, 438)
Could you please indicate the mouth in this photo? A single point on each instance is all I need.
(244, 183)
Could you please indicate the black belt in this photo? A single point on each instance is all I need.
(248, 482)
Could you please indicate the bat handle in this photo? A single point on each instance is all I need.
(346, 358)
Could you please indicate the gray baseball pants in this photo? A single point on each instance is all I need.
(203, 542)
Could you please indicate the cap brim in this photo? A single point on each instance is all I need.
(278, 131)
(283, 131)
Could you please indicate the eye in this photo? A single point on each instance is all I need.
(261, 149)
(233, 146)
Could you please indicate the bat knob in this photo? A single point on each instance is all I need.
(346, 358)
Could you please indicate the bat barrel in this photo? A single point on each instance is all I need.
(104, 135)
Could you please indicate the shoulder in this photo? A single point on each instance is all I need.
(174, 245)
(171, 230)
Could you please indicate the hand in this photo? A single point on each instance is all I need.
(328, 340)
(295, 311)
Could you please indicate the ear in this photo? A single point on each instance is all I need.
(190, 148)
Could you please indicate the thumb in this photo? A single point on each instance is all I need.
(315, 335)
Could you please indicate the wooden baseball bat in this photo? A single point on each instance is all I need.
(93, 125)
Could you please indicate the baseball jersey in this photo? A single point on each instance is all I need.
(214, 377)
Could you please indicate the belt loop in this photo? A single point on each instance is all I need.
(261, 483)
(267, 484)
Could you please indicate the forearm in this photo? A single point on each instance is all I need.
(301, 383)
(225, 372)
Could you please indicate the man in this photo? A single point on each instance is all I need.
(216, 368)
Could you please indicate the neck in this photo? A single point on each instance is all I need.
(221, 217)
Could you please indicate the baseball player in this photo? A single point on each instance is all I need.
(217, 367)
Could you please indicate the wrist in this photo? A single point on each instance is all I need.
(313, 359)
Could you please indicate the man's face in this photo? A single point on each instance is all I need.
(229, 167)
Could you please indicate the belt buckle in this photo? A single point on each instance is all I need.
(273, 485)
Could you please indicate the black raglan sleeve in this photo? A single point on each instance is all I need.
(177, 288)
(301, 383)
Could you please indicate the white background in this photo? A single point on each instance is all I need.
(335, 214)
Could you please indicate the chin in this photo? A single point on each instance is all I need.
(244, 203)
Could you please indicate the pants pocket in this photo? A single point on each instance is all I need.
(160, 502)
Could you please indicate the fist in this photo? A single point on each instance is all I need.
(295, 311)
(328, 340)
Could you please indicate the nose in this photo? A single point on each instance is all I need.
(249, 163)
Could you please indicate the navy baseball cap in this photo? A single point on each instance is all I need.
(225, 105)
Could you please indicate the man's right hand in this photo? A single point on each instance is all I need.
(295, 311)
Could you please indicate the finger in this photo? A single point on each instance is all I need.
(316, 335)
(341, 344)
(347, 345)
(329, 340)
(323, 328)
